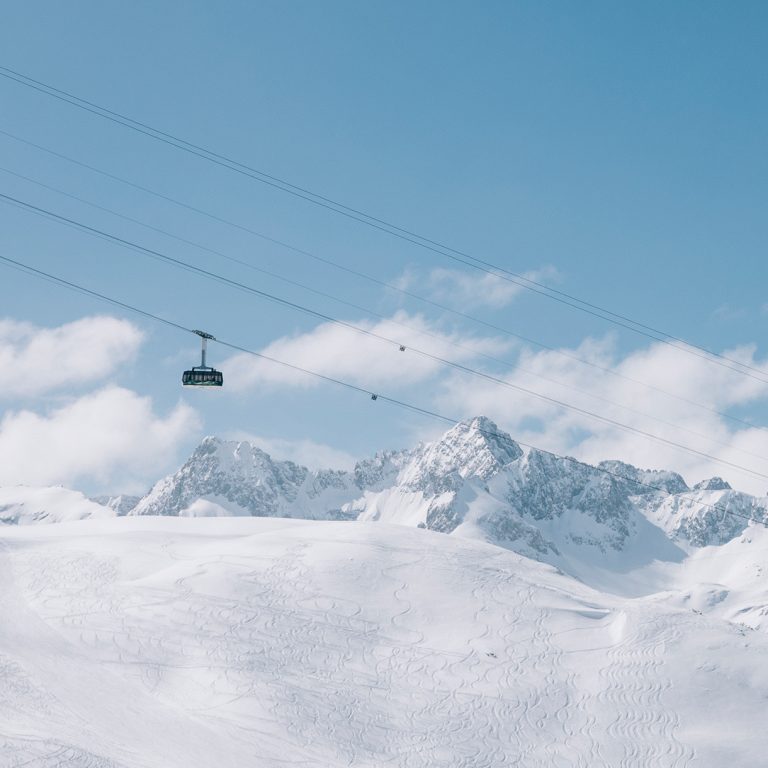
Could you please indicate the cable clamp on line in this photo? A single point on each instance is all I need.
(374, 397)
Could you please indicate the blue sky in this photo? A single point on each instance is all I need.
(617, 151)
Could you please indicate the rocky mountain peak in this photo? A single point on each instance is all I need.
(641, 481)
(712, 484)
(231, 472)
(473, 448)
(232, 455)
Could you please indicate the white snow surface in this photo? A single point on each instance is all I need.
(164, 642)
(462, 603)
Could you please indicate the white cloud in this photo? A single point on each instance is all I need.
(305, 452)
(112, 436)
(677, 419)
(40, 360)
(343, 353)
(476, 288)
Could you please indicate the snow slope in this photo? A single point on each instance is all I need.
(156, 642)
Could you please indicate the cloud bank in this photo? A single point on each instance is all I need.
(342, 353)
(44, 360)
(111, 437)
(107, 438)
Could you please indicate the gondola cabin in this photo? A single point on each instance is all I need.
(203, 375)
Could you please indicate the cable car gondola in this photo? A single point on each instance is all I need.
(203, 375)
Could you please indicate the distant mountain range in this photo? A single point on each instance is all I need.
(474, 481)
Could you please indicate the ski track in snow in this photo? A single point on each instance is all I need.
(642, 730)
(146, 644)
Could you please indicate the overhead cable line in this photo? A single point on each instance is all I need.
(375, 280)
(47, 276)
(404, 234)
(179, 263)
(423, 332)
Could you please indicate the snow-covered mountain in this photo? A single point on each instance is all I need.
(25, 505)
(120, 505)
(474, 481)
(235, 478)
